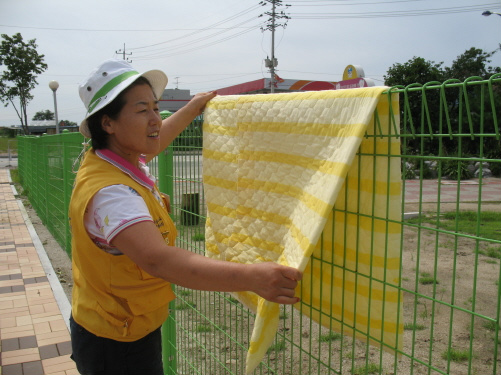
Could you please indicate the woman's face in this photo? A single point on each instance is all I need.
(136, 129)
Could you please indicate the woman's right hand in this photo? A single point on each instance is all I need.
(274, 282)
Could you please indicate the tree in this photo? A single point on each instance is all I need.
(22, 65)
(417, 110)
(43, 115)
(415, 70)
(422, 109)
(473, 62)
(67, 123)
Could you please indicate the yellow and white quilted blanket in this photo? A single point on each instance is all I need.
(280, 169)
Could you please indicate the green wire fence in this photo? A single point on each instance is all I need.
(450, 248)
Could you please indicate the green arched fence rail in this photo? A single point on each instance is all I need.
(451, 246)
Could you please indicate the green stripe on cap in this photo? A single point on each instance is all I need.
(108, 87)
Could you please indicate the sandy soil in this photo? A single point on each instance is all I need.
(425, 252)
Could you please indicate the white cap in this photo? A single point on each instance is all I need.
(108, 80)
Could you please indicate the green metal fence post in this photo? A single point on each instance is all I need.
(67, 164)
(165, 184)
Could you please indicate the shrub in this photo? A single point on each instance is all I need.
(457, 169)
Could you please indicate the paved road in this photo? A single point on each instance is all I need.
(6, 162)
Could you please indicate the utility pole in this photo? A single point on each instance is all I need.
(272, 25)
(123, 54)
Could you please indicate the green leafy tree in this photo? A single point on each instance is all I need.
(474, 62)
(22, 64)
(415, 70)
(421, 109)
(67, 123)
(417, 108)
(43, 115)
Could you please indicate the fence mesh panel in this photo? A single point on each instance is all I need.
(450, 248)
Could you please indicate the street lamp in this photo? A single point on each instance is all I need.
(488, 13)
(53, 86)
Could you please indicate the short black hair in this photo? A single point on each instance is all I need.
(98, 135)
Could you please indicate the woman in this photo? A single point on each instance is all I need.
(123, 246)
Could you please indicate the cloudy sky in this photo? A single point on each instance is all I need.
(209, 44)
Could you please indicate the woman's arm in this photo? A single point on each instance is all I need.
(173, 125)
(144, 245)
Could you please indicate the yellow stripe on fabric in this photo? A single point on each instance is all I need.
(371, 146)
(298, 236)
(321, 130)
(369, 224)
(303, 242)
(361, 322)
(222, 156)
(266, 310)
(373, 92)
(213, 248)
(258, 242)
(222, 238)
(336, 310)
(313, 203)
(378, 188)
(322, 166)
(220, 182)
(227, 103)
(353, 255)
(373, 289)
(221, 130)
(221, 210)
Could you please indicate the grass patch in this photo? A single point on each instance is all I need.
(413, 327)
(204, 328)
(277, 347)
(492, 252)
(233, 300)
(370, 368)
(466, 222)
(198, 237)
(283, 315)
(184, 306)
(6, 143)
(331, 336)
(184, 293)
(456, 355)
(427, 279)
(14, 174)
(490, 326)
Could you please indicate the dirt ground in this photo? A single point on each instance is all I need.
(464, 278)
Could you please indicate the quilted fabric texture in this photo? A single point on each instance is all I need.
(275, 166)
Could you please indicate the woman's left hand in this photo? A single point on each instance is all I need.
(198, 102)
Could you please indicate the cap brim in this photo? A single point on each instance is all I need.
(158, 81)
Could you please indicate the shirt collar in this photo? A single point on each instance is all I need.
(125, 166)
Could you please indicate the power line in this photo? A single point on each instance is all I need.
(245, 11)
(152, 57)
(396, 13)
(200, 39)
(195, 30)
(344, 3)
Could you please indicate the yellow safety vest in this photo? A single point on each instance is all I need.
(112, 296)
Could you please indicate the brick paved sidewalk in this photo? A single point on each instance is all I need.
(34, 335)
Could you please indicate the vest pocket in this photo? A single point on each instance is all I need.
(119, 325)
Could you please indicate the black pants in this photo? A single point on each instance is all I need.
(96, 355)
